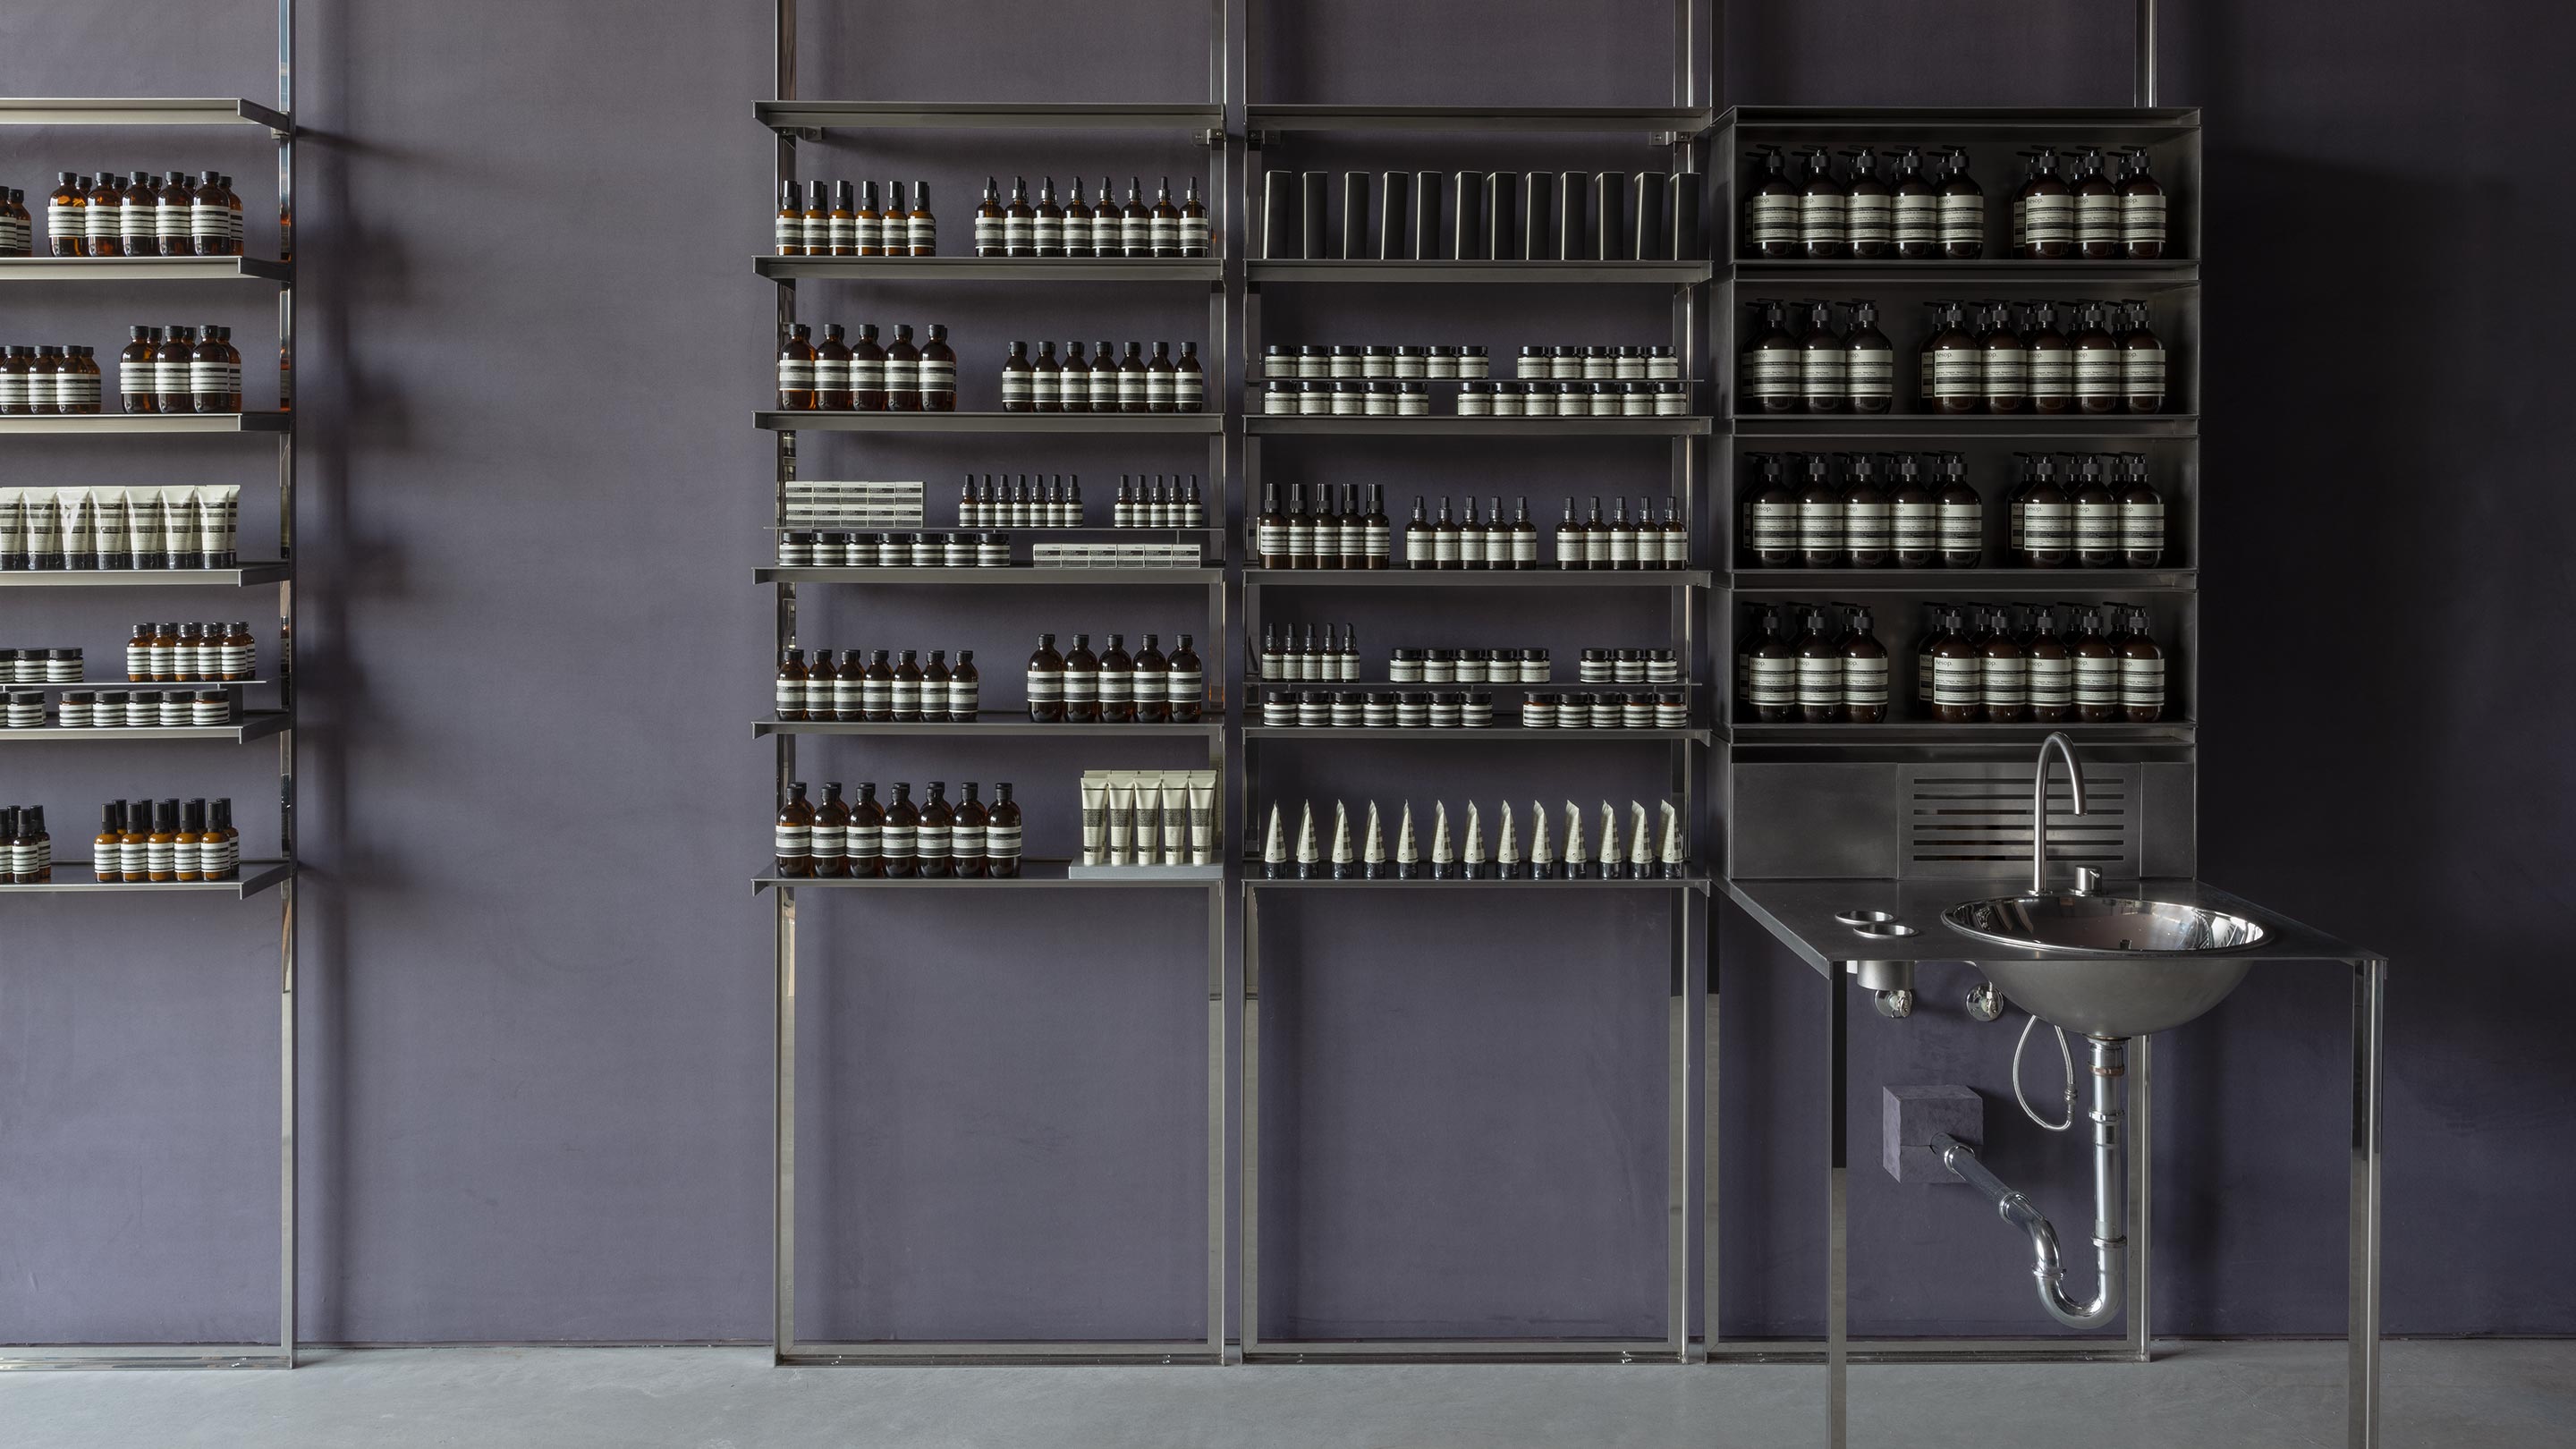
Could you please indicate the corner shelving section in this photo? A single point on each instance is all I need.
(791, 119)
(254, 877)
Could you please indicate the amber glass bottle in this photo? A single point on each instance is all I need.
(795, 845)
(930, 837)
(796, 370)
(966, 836)
(939, 372)
(1002, 835)
(900, 841)
(137, 372)
(867, 371)
(903, 372)
(864, 845)
(66, 235)
(1117, 683)
(831, 834)
(832, 391)
(1184, 684)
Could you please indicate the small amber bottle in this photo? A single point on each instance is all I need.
(209, 219)
(133, 842)
(1184, 683)
(1019, 381)
(103, 218)
(66, 234)
(903, 372)
(856, 230)
(1046, 381)
(138, 222)
(791, 219)
(1002, 835)
(223, 840)
(1077, 223)
(900, 841)
(876, 688)
(832, 392)
(1117, 683)
(865, 843)
(795, 844)
(1019, 222)
(921, 229)
(938, 367)
(792, 675)
(1163, 228)
(166, 639)
(171, 363)
(161, 847)
(831, 834)
(907, 687)
(189, 857)
(991, 228)
(1151, 683)
(796, 370)
(930, 837)
(934, 689)
(137, 374)
(174, 223)
(867, 371)
(210, 376)
(107, 851)
(966, 836)
(234, 230)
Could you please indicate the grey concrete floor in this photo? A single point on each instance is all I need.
(2513, 1395)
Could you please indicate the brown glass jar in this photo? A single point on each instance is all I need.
(796, 370)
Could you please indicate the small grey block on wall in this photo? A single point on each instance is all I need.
(1912, 1115)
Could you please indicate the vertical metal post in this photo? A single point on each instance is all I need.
(288, 1084)
(2361, 1403)
(1249, 1330)
(1680, 1033)
(2142, 1227)
(783, 938)
(2144, 88)
(1837, 1212)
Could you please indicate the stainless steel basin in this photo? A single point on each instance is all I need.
(2131, 966)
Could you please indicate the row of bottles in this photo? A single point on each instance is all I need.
(124, 709)
(2006, 354)
(1326, 531)
(1904, 510)
(166, 841)
(841, 374)
(179, 370)
(1817, 370)
(1106, 383)
(1380, 709)
(191, 653)
(1656, 849)
(1321, 362)
(1079, 229)
(1979, 662)
(1452, 540)
(1141, 818)
(1114, 686)
(2105, 208)
(17, 224)
(1836, 673)
(819, 219)
(798, 548)
(26, 847)
(137, 215)
(864, 840)
(1507, 216)
(867, 686)
(41, 381)
(1054, 502)
(1284, 659)
(175, 526)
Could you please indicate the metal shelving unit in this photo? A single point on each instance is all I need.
(793, 119)
(1677, 134)
(255, 876)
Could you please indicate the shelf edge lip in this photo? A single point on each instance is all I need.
(1481, 578)
(256, 876)
(245, 576)
(144, 269)
(253, 725)
(1033, 577)
(1013, 729)
(1687, 120)
(788, 115)
(144, 424)
(1198, 424)
(994, 269)
(1253, 880)
(1456, 425)
(1942, 581)
(1470, 273)
(1497, 731)
(139, 111)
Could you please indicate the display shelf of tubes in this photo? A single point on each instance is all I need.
(1543, 578)
(254, 877)
(793, 119)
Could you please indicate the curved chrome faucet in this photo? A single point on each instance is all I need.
(2039, 805)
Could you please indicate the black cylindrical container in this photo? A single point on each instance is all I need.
(1538, 217)
(1356, 236)
(1427, 244)
(1467, 218)
(1681, 208)
(1312, 217)
(1281, 237)
(1394, 210)
(1503, 215)
(1609, 208)
(1649, 241)
(1574, 217)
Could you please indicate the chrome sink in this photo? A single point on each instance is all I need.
(2133, 966)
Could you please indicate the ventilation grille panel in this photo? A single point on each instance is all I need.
(1967, 820)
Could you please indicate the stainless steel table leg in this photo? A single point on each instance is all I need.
(2361, 1410)
(1837, 1248)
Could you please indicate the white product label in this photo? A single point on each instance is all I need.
(14, 391)
(876, 696)
(1623, 546)
(1104, 388)
(2046, 526)
(1872, 217)
(1471, 547)
(831, 842)
(160, 859)
(206, 221)
(906, 696)
(1962, 526)
(1107, 233)
(2142, 370)
(138, 661)
(238, 658)
(1136, 235)
(1182, 686)
(831, 374)
(1821, 219)
(2142, 218)
(1420, 547)
(1048, 236)
(1865, 681)
(2097, 372)
(1194, 236)
(1871, 373)
(1019, 233)
(2142, 683)
(1045, 686)
(1018, 387)
(849, 696)
(966, 842)
(921, 232)
(2142, 527)
(1117, 686)
(1913, 526)
(2097, 527)
(2097, 218)
(79, 392)
(902, 375)
(863, 842)
(2052, 372)
(212, 221)
(930, 842)
(1963, 220)
(1820, 681)
(1164, 234)
(1773, 682)
(1820, 527)
(818, 233)
(1158, 389)
(795, 373)
(867, 374)
(1956, 681)
(2005, 682)
(1524, 545)
(170, 221)
(63, 221)
(139, 224)
(1771, 372)
(2052, 681)
(795, 840)
(1272, 539)
(1823, 373)
(2007, 373)
(2045, 218)
(2097, 681)
(938, 376)
(1189, 391)
(1001, 842)
(1865, 525)
(1918, 218)
(1775, 526)
(1444, 546)
(896, 842)
(170, 377)
(1046, 386)
(988, 235)
(1131, 388)
(1771, 220)
(209, 380)
(99, 221)
(849, 233)
(1958, 372)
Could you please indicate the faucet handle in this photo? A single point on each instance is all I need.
(2088, 881)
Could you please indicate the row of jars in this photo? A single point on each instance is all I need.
(1471, 709)
(2090, 510)
(116, 215)
(799, 548)
(121, 709)
(1045, 383)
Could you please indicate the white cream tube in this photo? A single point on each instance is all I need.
(1274, 849)
(1202, 790)
(1095, 819)
(1176, 817)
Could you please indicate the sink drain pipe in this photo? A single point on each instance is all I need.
(2109, 1060)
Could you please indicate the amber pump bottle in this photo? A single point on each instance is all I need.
(1770, 208)
(2096, 517)
(2097, 670)
(1824, 209)
(1870, 207)
(2142, 515)
(2051, 360)
(1963, 211)
(2043, 211)
(1915, 210)
(1953, 364)
(2142, 211)
(920, 228)
(1823, 377)
(2099, 361)
(1957, 673)
(2004, 362)
(1865, 668)
(2142, 362)
(1866, 521)
(1959, 516)
(1771, 366)
(1820, 672)
(1869, 361)
(2097, 209)
(161, 847)
(2051, 667)
(1771, 673)
(854, 227)
(1913, 515)
(1771, 515)
(2142, 673)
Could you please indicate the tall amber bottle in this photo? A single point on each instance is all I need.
(796, 370)
(938, 369)
(1081, 682)
(189, 849)
(137, 372)
(1184, 683)
(1152, 682)
(795, 842)
(103, 219)
(903, 372)
(161, 847)
(1046, 682)
(66, 231)
(867, 371)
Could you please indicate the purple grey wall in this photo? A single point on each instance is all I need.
(537, 988)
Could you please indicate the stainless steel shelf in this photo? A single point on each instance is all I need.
(992, 269)
(255, 725)
(1254, 880)
(1197, 424)
(1918, 732)
(1499, 732)
(1112, 578)
(255, 877)
(134, 684)
(1034, 875)
(244, 576)
(143, 269)
(935, 115)
(1964, 123)
(1539, 578)
(1412, 273)
(994, 725)
(139, 111)
(2164, 275)
(148, 423)
(1516, 686)
(1446, 425)
(1946, 581)
(1954, 425)
(1646, 120)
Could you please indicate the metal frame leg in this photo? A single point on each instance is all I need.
(2369, 1006)
(1837, 1213)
